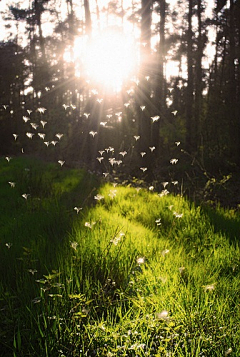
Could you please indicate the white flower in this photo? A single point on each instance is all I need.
(209, 287)
(99, 197)
(74, 245)
(163, 193)
(141, 260)
(89, 225)
(163, 315)
(178, 215)
(165, 251)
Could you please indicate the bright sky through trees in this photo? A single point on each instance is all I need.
(110, 57)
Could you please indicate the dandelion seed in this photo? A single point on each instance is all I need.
(174, 183)
(155, 118)
(36, 300)
(25, 195)
(73, 106)
(142, 107)
(77, 209)
(151, 188)
(112, 160)
(105, 174)
(22, 151)
(99, 197)
(30, 135)
(94, 91)
(41, 110)
(228, 351)
(89, 225)
(43, 123)
(100, 159)
(123, 153)
(99, 100)
(140, 260)
(12, 184)
(126, 104)
(112, 193)
(47, 89)
(177, 143)
(34, 126)
(29, 111)
(86, 115)
(15, 136)
(109, 116)
(32, 271)
(163, 193)
(8, 158)
(181, 270)
(93, 133)
(118, 162)
(5, 106)
(142, 153)
(74, 245)
(59, 136)
(47, 143)
(163, 315)
(8, 245)
(143, 169)
(101, 152)
(103, 123)
(173, 161)
(54, 142)
(61, 162)
(165, 251)
(147, 78)
(178, 215)
(152, 148)
(209, 287)
(164, 184)
(65, 106)
(158, 222)
(174, 112)
(117, 239)
(25, 119)
(42, 135)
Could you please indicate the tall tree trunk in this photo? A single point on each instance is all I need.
(189, 89)
(160, 85)
(88, 21)
(38, 13)
(232, 82)
(144, 85)
(198, 85)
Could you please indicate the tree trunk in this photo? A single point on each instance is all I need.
(189, 90)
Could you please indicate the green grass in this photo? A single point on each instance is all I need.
(134, 273)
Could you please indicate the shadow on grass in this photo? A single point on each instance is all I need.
(226, 222)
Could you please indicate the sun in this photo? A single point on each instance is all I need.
(110, 59)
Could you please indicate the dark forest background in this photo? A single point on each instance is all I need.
(196, 139)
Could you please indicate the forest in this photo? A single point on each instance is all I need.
(119, 178)
(181, 98)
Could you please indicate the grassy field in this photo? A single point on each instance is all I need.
(94, 269)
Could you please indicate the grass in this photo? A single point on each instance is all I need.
(134, 273)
